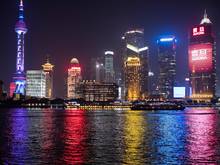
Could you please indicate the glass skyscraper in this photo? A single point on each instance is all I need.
(109, 67)
(167, 66)
(135, 51)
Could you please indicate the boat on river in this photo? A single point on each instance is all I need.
(158, 106)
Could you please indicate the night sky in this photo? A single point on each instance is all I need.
(86, 28)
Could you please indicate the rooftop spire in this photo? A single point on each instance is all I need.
(205, 19)
(21, 3)
(205, 14)
(21, 10)
(48, 58)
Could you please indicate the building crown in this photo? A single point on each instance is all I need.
(205, 19)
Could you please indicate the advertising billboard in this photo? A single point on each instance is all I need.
(200, 58)
(179, 92)
(201, 30)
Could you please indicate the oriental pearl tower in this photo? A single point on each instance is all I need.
(19, 79)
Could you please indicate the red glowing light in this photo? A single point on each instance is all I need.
(74, 69)
(200, 58)
(75, 135)
(12, 88)
(198, 31)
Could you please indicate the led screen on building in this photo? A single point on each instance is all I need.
(179, 92)
(200, 58)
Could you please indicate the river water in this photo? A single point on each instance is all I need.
(62, 137)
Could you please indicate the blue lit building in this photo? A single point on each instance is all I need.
(19, 77)
(167, 66)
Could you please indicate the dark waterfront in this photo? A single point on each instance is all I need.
(109, 137)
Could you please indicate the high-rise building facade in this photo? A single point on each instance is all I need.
(36, 83)
(132, 78)
(136, 52)
(19, 79)
(167, 66)
(202, 61)
(109, 67)
(74, 78)
(48, 69)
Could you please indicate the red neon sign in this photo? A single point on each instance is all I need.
(200, 58)
(198, 31)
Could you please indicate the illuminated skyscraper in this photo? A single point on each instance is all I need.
(36, 83)
(19, 80)
(109, 67)
(202, 61)
(74, 78)
(48, 69)
(132, 78)
(136, 52)
(167, 65)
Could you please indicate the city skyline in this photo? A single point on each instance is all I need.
(56, 38)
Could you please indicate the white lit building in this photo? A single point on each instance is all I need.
(73, 79)
(36, 83)
(109, 67)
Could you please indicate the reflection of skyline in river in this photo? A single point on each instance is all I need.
(74, 138)
(134, 128)
(203, 143)
(109, 137)
(167, 137)
(18, 137)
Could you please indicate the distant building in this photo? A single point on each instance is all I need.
(109, 67)
(90, 73)
(73, 79)
(135, 47)
(96, 91)
(167, 66)
(132, 78)
(48, 69)
(202, 61)
(36, 83)
(100, 70)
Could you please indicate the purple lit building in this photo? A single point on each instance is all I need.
(19, 77)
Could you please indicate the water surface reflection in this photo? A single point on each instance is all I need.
(202, 135)
(109, 137)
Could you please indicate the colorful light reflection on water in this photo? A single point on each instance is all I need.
(109, 137)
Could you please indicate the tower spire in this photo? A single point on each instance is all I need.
(21, 2)
(205, 19)
(21, 10)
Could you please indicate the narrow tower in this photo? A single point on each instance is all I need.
(20, 28)
(48, 69)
